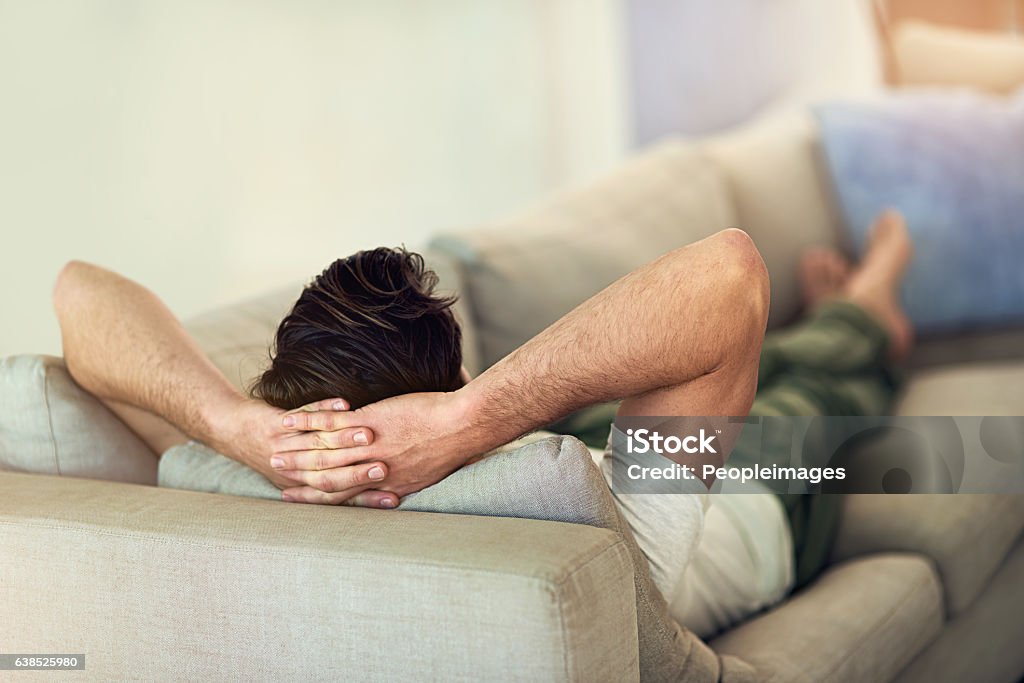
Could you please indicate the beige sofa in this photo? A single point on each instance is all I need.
(157, 584)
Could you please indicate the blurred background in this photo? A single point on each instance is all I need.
(215, 149)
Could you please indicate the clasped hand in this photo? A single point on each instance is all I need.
(325, 453)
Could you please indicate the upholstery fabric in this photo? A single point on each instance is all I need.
(774, 173)
(953, 163)
(967, 536)
(237, 337)
(194, 467)
(51, 425)
(965, 389)
(983, 642)
(531, 481)
(155, 584)
(561, 253)
(972, 347)
(878, 611)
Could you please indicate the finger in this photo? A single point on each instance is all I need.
(359, 498)
(373, 499)
(326, 404)
(308, 494)
(325, 420)
(350, 437)
(341, 478)
(319, 458)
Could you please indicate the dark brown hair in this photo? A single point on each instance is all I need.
(369, 327)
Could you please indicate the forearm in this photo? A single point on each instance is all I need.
(122, 344)
(673, 321)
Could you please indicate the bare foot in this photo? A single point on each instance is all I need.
(874, 285)
(824, 273)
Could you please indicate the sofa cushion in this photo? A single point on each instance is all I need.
(779, 186)
(551, 479)
(966, 535)
(53, 426)
(953, 163)
(863, 620)
(983, 642)
(560, 254)
(965, 389)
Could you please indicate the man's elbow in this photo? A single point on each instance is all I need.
(744, 278)
(70, 281)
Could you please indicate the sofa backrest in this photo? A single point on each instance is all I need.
(523, 273)
(781, 194)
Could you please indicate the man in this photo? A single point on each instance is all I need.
(625, 343)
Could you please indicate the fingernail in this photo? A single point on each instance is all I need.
(360, 438)
(340, 405)
(376, 473)
(289, 420)
(277, 463)
(387, 503)
(286, 497)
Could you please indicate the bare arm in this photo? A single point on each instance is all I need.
(122, 344)
(679, 336)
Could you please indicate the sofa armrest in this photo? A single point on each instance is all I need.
(151, 582)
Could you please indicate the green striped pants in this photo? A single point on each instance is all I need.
(833, 362)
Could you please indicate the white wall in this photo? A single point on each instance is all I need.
(214, 148)
(698, 66)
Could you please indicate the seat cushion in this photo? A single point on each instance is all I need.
(863, 620)
(970, 347)
(53, 426)
(965, 389)
(558, 255)
(982, 643)
(966, 535)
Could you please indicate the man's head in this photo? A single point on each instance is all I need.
(369, 327)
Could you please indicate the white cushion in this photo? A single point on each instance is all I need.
(53, 426)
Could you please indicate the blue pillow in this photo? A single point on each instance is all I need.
(953, 163)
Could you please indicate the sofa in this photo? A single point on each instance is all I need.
(160, 584)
